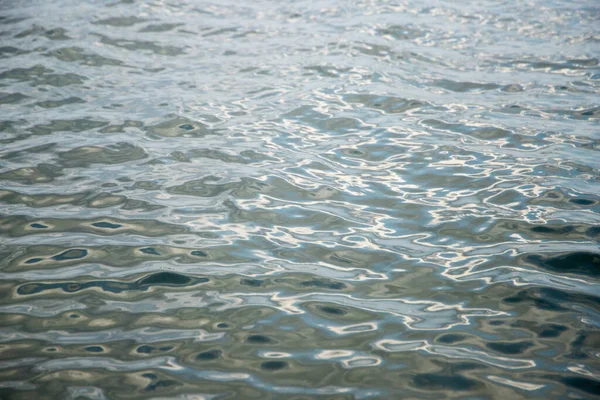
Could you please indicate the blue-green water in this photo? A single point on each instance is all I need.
(299, 200)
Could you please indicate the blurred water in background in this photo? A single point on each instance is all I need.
(299, 200)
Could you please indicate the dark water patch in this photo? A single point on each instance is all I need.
(323, 284)
(166, 279)
(510, 348)
(443, 382)
(12, 98)
(551, 330)
(552, 230)
(593, 231)
(583, 345)
(465, 366)
(162, 385)
(204, 187)
(104, 200)
(541, 330)
(160, 27)
(180, 156)
(147, 349)
(40, 75)
(150, 250)
(25, 74)
(170, 279)
(273, 365)
(61, 125)
(161, 279)
(113, 255)
(71, 254)
(52, 34)
(115, 154)
(147, 185)
(10, 51)
(40, 200)
(120, 21)
(505, 228)
(582, 263)
(551, 299)
(580, 114)
(81, 56)
(59, 103)
(450, 338)
(210, 355)
(179, 127)
(143, 45)
(537, 298)
(260, 339)
(95, 349)
(513, 88)
(25, 153)
(21, 225)
(106, 225)
(565, 199)
(455, 86)
(331, 310)
(583, 202)
(586, 385)
(252, 282)
(8, 127)
(42, 173)
(582, 63)
(220, 31)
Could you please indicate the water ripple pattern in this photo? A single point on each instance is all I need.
(325, 199)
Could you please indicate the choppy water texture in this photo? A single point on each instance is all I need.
(299, 200)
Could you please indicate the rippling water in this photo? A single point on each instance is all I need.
(311, 199)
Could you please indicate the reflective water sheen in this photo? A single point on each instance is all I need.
(324, 199)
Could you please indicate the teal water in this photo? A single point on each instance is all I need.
(299, 200)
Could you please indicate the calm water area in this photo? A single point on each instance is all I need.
(324, 199)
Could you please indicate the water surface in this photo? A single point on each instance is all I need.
(299, 200)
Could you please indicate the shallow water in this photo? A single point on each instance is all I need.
(309, 199)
